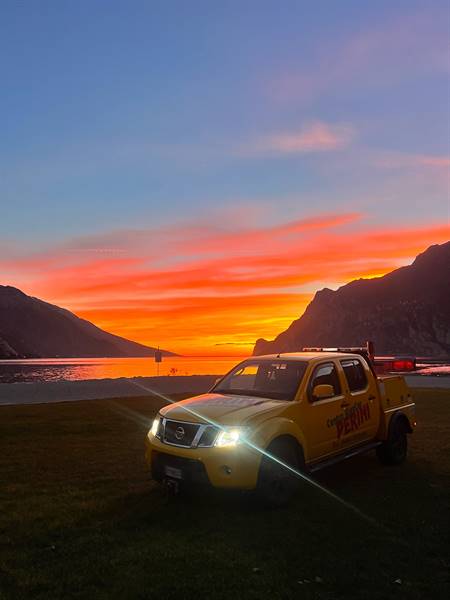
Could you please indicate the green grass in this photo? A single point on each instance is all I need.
(80, 519)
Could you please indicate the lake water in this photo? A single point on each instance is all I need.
(73, 369)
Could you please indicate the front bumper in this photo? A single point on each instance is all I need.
(234, 467)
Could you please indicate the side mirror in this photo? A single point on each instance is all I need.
(322, 391)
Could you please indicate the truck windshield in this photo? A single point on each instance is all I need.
(276, 379)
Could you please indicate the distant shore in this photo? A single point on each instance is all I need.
(98, 389)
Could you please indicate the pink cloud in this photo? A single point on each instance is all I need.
(411, 161)
(382, 55)
(315, 137)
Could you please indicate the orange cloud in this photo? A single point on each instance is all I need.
(198, 288)
(199, 324)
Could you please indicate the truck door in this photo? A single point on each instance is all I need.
(361, 415)
(318, 414)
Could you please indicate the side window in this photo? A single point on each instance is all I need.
(355, 375)
(325, 374)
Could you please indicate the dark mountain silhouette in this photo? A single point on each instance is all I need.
(404, 312)
(32, 328)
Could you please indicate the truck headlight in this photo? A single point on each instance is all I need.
(155, 426)
(231, 436)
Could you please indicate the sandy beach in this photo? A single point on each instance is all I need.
(97, 389)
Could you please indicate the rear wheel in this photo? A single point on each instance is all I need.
(393, 451)
(277, 484)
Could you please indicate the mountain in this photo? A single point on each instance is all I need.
(32, 328)
(404, 312)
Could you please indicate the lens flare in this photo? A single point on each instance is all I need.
(138, 418)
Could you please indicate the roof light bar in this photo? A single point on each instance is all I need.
(380, 364)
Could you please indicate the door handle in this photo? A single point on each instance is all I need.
(372, 398)
(345, 404)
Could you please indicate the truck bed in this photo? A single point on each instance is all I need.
(394, 392)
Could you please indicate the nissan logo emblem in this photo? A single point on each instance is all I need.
(179, 433)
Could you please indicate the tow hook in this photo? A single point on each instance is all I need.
(171, 486)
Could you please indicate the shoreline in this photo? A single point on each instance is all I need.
(102, 389)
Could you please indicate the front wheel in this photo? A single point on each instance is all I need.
(277, 484)
(393, 451)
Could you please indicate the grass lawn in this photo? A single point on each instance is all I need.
(80, 519)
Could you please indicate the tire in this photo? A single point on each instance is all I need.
(394, 450)
(276, 484)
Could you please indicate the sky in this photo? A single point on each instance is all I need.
(188, 174)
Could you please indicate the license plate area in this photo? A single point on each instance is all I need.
(173, 472)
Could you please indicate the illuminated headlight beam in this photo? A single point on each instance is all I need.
(231, 436)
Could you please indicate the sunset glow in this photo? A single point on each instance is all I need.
(215, 289)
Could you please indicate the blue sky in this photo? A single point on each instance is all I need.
(115, 113)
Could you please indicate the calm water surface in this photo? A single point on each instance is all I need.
(72, 369)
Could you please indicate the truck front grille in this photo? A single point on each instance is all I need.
(187, 435)
(180, 433)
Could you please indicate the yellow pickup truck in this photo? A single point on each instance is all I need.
(274, 418)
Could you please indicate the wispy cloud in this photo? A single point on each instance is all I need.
(314, 137)
(386, 54)
(391, 160)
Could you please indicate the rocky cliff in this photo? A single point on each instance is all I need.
(406, 311)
